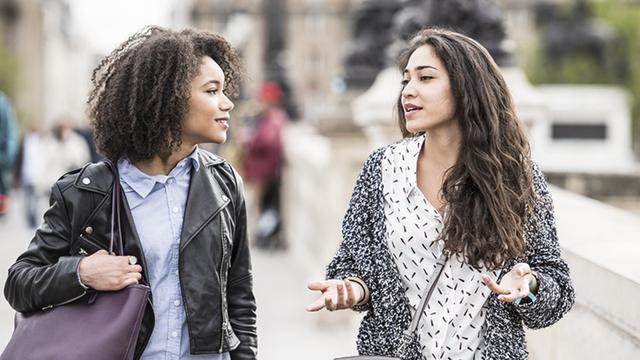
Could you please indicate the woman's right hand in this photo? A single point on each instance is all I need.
(336, 294)
(104, 272)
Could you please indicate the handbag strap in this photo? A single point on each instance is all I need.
(115, 209)
(410, 333)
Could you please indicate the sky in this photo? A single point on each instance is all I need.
(105, 24)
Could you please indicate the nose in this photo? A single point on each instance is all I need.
(226, 104)
(408, 91)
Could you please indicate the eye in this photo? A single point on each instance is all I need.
(404, 82)
(425, 78)
(212, 91)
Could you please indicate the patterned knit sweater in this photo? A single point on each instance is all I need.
(364, 253)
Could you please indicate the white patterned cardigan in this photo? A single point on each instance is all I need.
(364, 253)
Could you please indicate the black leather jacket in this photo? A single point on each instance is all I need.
(214, 229)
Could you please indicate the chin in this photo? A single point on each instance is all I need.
(414, 127)
(213, 138)
(423, 125)
(221, 139)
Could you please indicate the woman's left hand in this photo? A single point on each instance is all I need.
(514, 285)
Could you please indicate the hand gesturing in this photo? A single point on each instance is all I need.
(514, 285)
(336, 294)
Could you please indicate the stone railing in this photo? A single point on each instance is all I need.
(602, 246)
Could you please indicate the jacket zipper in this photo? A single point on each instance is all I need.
(93, 242)
(222, 292)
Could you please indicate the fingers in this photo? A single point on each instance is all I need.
(101, 252)
(352, 298)
(521, 291)
(318, 285)
(513, 296)
(507, 298)
(129, 281)
(522, 269)
(124, 260)
(316, 305)
(341, 298)
(493, 286)
(134, 275)
(337, 295)
(320, 303)
(134, 268)
(328, 303)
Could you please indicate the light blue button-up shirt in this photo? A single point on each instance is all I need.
(157, 205)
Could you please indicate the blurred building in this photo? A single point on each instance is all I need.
(21, 28)
(316, 33)
(39, 33)
(67, 62)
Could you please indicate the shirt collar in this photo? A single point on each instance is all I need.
(408, 164)
(143, 183)
(193, 159)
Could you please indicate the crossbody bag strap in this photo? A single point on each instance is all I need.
(427, 295)
(410, 333)
(115, 210)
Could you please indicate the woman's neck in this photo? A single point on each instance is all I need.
(443, 145)
(159, 166)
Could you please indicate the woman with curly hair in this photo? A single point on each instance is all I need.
(457, 208)
(154, 99)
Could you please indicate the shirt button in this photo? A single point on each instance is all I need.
(176, 303)
(174, 334)
(175, 210)
(170, 181)
(86, 181)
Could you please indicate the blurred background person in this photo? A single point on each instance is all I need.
(8, 149)
(86, 132)
(65, 150)
(263, 163)
(30, 166)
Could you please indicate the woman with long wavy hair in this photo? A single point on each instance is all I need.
(461, 186)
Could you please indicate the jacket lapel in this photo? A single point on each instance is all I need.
(204, 202)
(98, 178)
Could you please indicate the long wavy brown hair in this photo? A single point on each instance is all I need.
(488, 192)
(141, 91)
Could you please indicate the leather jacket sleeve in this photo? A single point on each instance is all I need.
(242, 303)
(44, 275)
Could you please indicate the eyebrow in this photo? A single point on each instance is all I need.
(215, 82)
(421, 67)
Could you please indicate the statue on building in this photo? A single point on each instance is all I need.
(371, 36)
(382, 27)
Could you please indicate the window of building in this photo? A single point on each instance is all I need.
(578, 131)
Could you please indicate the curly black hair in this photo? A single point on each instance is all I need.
(141, 91)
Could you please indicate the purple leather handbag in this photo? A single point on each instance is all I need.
(102, 325)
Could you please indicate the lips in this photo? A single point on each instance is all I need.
(224, 122)
(410, 109)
